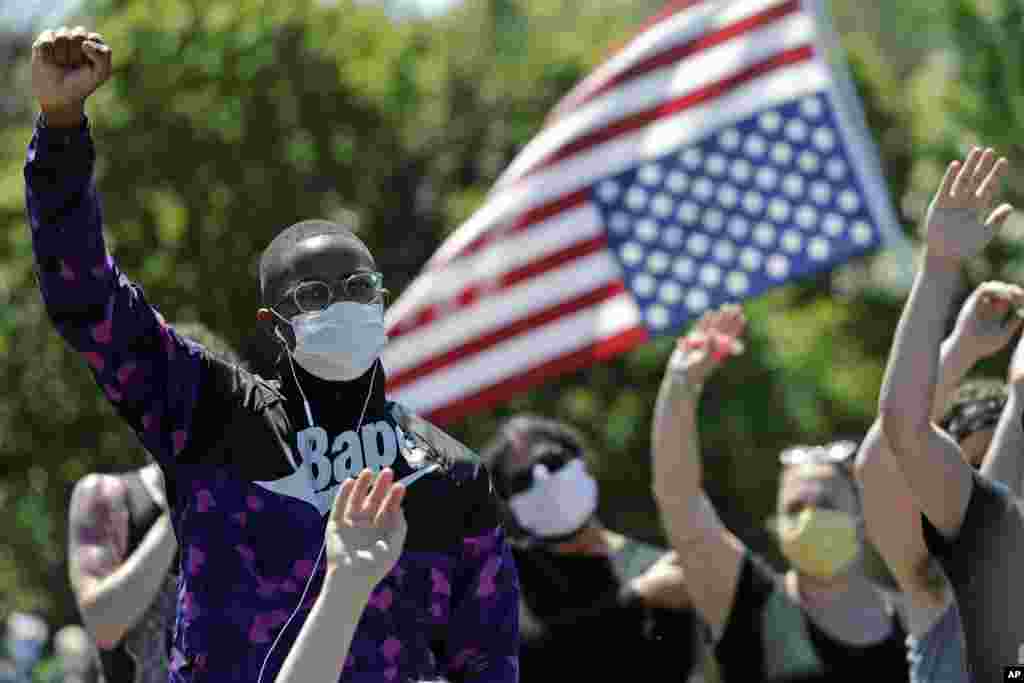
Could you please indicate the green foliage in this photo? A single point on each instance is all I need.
(226, 121)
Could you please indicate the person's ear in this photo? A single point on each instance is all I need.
(266, 320)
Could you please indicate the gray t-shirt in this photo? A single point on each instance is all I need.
(938, 655)
(985, 565)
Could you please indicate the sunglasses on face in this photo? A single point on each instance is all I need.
(551, 458)
(973, 417)
(838, 453)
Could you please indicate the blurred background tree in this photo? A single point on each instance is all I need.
(226, 121)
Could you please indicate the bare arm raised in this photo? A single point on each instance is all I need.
(1003, 461)
(959, 224)
(710, 556)
(365, 536)
(893, 520)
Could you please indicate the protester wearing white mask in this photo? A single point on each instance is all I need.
(252, 463)
(590, 596)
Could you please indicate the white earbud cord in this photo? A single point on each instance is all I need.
(319, 556)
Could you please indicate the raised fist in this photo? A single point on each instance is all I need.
(714, 338)
(989, 319)
(68, 65)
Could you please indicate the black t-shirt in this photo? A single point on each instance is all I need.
(579, 622)
(984, 566)
(769, 638)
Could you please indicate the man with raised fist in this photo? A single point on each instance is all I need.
(252, 464)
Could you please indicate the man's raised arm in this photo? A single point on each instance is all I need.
(931, 461)
(149, 373)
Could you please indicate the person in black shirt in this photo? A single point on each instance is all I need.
(595, 604)
(823, 618)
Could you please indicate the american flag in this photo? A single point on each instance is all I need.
(719, 153)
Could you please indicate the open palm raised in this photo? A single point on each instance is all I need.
(960, 220)
(367, 528)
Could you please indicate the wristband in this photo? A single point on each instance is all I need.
(677, 373)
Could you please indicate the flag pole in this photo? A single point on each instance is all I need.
(895, 265)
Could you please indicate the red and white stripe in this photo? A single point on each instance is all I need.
(526, 288)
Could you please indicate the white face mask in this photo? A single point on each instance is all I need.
(341, 342)
(556, 504)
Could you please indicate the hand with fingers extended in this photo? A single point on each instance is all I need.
(714, 338)
(989, 319)
(68, 65)
(366, 531)
(961, 221)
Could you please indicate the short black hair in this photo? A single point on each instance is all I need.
(520, 432)
(976, 404)
(292, 235)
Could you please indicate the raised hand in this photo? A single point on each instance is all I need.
(714, 338)
(366, 531)
(960, 220)
(989, 318)
(68, 65)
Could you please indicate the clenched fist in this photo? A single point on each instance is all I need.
(68, 65)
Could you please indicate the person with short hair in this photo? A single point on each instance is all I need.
(252, 464)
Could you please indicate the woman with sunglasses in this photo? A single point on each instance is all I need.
(820, 618)
(893, 519)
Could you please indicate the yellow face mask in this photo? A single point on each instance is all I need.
(819, 542)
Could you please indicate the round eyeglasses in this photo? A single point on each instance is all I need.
(835, 453)
(364, 288)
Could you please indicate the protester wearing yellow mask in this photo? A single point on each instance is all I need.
(820, 620)
(819, 542)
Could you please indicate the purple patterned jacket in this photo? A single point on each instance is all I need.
(249, 523)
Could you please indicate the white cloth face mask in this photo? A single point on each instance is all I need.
(559, 502)
(341, 342)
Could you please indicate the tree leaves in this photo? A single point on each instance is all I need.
(227, 121)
